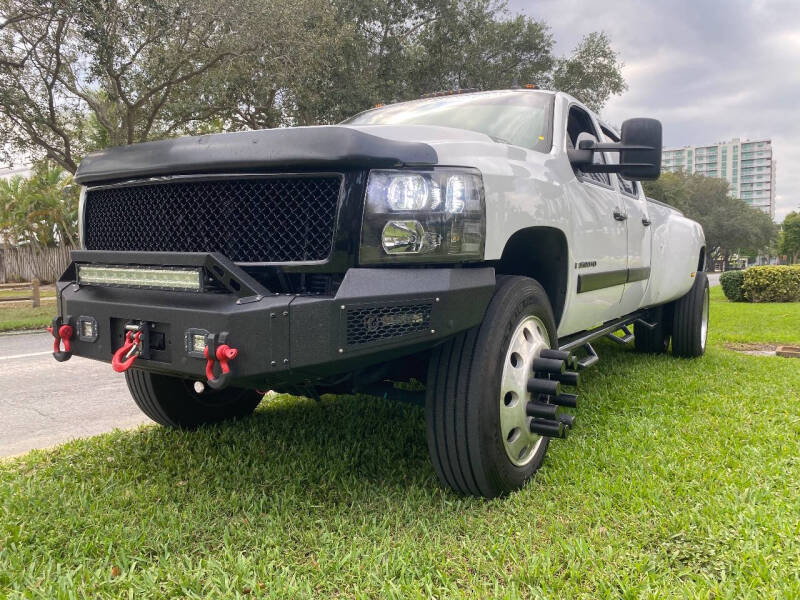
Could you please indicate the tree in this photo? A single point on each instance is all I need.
(591, 73)
(79, 74)
(41, 210)
(790, 236)
(139, 69)
(730, 224)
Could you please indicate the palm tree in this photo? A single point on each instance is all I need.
(41, 210)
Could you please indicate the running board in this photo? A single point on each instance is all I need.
(583, 338)
(627, 336)
(590, 358)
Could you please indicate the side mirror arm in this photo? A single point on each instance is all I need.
(595, 147)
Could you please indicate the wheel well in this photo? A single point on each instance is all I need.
(539, 253)
(701, 264)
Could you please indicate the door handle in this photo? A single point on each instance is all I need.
(619, 215)
(646, 222)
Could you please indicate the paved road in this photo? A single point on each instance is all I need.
(43, 402)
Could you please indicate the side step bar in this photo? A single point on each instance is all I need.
(583, 339)
(590, 358)
(626, 338)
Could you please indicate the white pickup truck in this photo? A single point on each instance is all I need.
(476, 242)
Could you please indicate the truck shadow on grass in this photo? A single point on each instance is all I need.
(336, 448)
(342, 447)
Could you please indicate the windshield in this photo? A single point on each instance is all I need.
(520, 117)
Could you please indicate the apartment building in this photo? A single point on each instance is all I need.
(747, 166)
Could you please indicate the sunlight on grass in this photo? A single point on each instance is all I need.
(680, 479)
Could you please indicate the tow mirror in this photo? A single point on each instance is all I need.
(640, 152)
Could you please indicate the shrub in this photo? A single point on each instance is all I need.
(772, 284)
(731, 282)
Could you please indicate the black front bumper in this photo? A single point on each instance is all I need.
(376, 315)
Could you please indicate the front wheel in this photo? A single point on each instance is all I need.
(479, 432)
(174, 402)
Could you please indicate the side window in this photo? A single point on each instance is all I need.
(579, 126)
(631, 188)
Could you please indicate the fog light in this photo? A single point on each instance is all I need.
(195, 340)
(141, 277)
(87, 329)
(198, 343)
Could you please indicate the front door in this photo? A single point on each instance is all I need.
(599, 247)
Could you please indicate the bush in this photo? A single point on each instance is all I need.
(772, 284)
(731, 282)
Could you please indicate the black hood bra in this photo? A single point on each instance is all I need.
(295, 148)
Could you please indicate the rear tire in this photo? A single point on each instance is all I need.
(173, 402)
(464, 395)
(652, 341)
(690, 320)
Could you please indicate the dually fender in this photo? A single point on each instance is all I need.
(677, 246)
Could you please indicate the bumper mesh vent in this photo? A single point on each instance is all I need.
(269, 219)
(372, 324)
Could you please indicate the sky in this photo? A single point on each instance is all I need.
(709, 70)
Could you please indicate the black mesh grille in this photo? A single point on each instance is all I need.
(275, 219)
(372, 324)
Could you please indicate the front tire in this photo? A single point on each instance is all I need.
(690, 320)
(173, 402)
(468, 407)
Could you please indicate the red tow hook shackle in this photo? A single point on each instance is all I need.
(127, 353)
(223, 354)
(61, 333)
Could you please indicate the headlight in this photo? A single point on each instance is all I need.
(423, 216)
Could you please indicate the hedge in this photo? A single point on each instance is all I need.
(772, 284)
(731, 282)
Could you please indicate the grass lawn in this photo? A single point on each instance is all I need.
(680, 479)
(43, 293)
(25, 317)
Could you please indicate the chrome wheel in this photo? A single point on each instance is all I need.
(527, 342)
(704, 319)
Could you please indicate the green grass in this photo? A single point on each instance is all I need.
(26, 317)
(44, 293)
(777, 322)
(680, 479)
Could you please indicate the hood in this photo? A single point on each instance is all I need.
(329, 146)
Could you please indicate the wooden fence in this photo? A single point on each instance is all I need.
(26, 263)
(19, 288)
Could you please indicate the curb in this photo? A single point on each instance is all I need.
(22, 332)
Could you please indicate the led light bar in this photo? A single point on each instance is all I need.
(163, 278)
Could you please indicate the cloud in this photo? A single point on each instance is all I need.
(710, 70)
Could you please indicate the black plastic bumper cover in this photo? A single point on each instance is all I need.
(376, 315)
